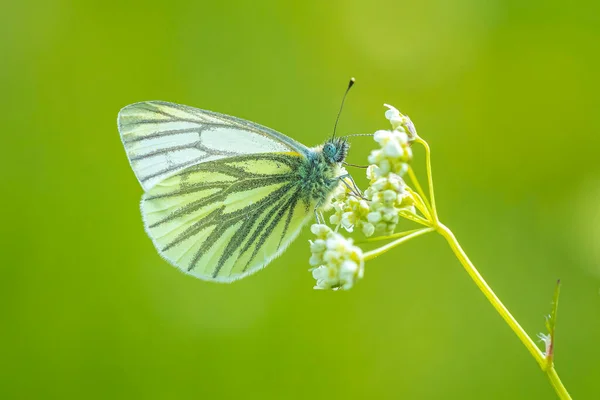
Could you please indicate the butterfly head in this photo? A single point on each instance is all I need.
(335, 150)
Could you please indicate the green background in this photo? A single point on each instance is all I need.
(505, 92)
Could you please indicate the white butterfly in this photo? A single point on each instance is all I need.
(223, 196)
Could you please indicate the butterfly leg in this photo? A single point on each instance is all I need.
(317, 217)
(354, 188)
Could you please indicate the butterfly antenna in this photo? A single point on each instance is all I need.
(359, 134)
(356, 165)
(350, 84)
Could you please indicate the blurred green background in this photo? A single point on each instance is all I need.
(505, 92)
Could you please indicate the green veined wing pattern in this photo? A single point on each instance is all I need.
(162, 138)
(225, 219)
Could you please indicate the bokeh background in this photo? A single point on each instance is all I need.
(506, 92)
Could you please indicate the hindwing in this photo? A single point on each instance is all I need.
(225, 219)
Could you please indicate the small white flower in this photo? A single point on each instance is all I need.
(389, 196)
(393, 149)
(334, 219)
(368, 229)
(394, 153)
(399, 120)
(318, 246)
(394, 116)
(321, 231)
(374, 217)
(338, 263)
(382, 136)
(350, 213)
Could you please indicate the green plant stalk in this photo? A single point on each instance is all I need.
(369, 255)
(415, 181)
(545, 363)
(390, 237)
(415, 218)
(425, 145)
(431, 220)
(558, 386)
(551, 325)
(490, 295)
(420, 204)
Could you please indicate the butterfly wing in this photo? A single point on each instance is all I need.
(163, 138)
(225, 219)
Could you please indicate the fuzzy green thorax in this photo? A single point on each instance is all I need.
(321, 171)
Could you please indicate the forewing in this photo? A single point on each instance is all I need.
(225, 219)
(163, 138)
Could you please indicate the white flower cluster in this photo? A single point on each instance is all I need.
(386, 195)
(351, 212)
(395, 152)
(337, 263)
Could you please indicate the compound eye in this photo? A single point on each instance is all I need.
(329, 150)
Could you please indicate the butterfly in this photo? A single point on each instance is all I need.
(224, 196)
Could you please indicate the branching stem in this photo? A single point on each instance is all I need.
(544, 362)
(426, 205)
(429, 175)
(369, 255)
(503, 311)
(389, 237)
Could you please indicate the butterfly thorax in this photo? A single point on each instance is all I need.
(321, 171)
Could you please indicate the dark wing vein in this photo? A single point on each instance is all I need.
(238, 186)
(227, 220)
(274, 217)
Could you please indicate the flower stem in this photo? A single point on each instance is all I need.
(420, 204)
(415, 181)
(394, 236)
(429, 175)
(502, 310)
(413, 217)
(369, 255)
